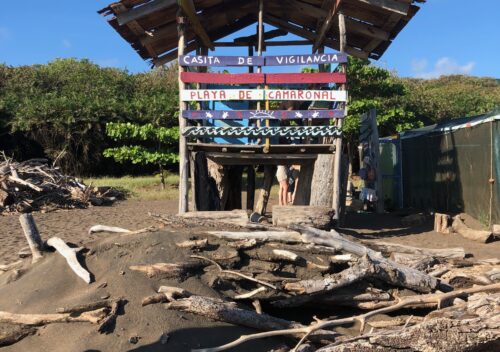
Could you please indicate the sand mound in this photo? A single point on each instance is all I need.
(50, 284)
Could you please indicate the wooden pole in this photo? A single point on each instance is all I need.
(32, 236)
(337, 174)
(183, 151)
(376, 155)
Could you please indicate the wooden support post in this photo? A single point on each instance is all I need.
(183, 151)
(250, 187)
(32, 236)
(376, 162)
(269, 171)
(192, 158)
(303, 185)
(323, 175)
(337, 184)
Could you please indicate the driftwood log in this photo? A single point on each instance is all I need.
(387, 270)
(70, 255)
(444, 253)
(315, 216)
(168, 270)
(475, 235)
(32, 236)
(442, 223)
(428, 300)
(471, 326)
(42, 319)
(415, 261)
(278, 236)
(233, 217)
(232, 313)
(104, 228)
(9, 335)
(7, 267)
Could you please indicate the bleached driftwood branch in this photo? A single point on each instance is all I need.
(70, 255)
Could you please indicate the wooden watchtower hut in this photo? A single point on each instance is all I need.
(217, 143)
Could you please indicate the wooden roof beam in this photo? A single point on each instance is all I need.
(389, 5)
(190, 11)
(327, 24)
(307, 34)
(144, 10)
(134, 27)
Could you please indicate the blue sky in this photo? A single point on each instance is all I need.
(445, 37)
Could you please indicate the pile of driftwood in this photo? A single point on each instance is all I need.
(34, 185)
(343, 294)
(453, 300)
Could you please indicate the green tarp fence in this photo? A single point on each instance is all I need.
(449, 170)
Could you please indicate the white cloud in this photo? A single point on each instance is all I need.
(66, 43)
(4, 34)
(443, 66)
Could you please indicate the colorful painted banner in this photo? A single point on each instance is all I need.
(305, 78)
(260, 78)
(199, 60)
(262, 114)
(288, 131)
(223, 78)
(315, 59)
(261, 94)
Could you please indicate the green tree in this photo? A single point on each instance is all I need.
(151, 145)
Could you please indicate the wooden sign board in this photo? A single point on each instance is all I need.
(200, 60)
(221, 94)
(280, 60)
(260, 78)
(314, 59)
(262, 114)
(261, 94)
(305, 78)
(287, 131)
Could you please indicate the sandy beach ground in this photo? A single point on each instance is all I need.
(72, 225)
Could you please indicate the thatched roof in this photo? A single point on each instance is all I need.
(150, 25)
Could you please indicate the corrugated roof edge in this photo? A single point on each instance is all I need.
(452, 125)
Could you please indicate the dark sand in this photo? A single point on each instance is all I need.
(51, 284)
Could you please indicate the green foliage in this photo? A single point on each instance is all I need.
(64, 106)
(158, 144)
(372, 87)
(452, 96)
(141, 155)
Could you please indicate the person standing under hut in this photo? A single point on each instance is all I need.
(282, 176)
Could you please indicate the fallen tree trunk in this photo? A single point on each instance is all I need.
(32, 236)
(70, 255)
(315, 216)
(471, 234)
(387, 270)
(388, 248)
